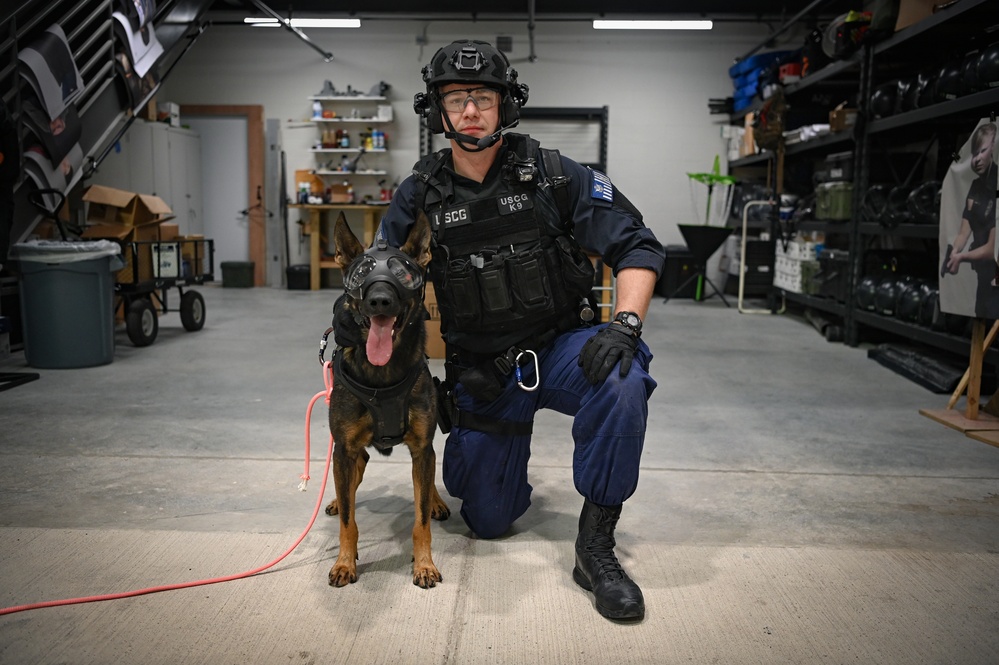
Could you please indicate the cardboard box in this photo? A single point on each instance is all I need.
(841, 118)
(108, 205)
(140, 267)
(194, 255)
(911, 12)
(168, 112)
(169, 231)
(435, 343)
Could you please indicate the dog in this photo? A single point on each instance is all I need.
(383, 393)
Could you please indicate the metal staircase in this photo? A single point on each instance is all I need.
(104, 106)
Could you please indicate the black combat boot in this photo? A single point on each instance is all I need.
(597, 568)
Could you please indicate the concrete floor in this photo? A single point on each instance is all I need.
(794, 507)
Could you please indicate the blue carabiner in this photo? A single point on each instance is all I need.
(537, 371)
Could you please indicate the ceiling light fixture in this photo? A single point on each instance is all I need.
(600, 24)
(257, 22)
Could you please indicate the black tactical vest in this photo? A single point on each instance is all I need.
(504, 265)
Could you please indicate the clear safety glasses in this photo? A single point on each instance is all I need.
(456, 100)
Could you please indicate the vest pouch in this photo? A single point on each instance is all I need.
(494, 289)
(577, 269)
(529, 281)
(463, 289)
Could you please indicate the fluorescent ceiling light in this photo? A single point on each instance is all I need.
(599, 24)
(305, 22)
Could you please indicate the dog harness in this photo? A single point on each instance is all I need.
(389, 407)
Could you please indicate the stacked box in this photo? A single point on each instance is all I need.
(796, 266)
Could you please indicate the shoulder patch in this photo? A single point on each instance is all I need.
(602, 187)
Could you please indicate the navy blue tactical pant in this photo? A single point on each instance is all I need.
(488, 472)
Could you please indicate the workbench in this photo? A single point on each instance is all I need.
(320, 221)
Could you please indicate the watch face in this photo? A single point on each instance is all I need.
(632, 320)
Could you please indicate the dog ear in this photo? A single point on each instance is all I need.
(417, 244)
(347, 247)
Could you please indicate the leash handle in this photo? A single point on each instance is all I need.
(322, 345)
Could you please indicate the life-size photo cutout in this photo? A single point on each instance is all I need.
(968, 228)
(59, 135)
(143, 46)
(48, 66)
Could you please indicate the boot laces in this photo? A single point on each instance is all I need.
(601, 548)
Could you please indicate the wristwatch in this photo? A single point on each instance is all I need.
(631, 321)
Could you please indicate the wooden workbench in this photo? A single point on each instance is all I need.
(320, 222)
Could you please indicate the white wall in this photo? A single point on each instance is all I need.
(656, 85)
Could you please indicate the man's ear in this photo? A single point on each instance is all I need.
(417, 244)
(347, 247)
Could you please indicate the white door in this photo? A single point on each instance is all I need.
(224, 192)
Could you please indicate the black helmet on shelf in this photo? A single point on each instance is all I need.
(897, 210)
(927, 88)
(923, 203)
(988, 66)
(875, 203)
(906, 98)
(969, 73)
(908, 94)
(865, 293)
(948, 82)
(910, 301)
(883, 99)
(885, 296)
(476, 63)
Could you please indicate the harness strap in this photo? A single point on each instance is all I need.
(389, 406)
(552, 161)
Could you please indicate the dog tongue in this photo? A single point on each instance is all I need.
(379, 347)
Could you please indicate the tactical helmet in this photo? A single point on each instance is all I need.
(910, 301)
(988, 67)
(886, 296)
(474, 62)
(883, 100)
(948, 82)
(865, 293)
(969, 73)
(923, 203)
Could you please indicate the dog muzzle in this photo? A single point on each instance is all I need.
(383, 264)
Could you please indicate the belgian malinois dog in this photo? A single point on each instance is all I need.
(383, 393)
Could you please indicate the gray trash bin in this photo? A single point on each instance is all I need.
(67, 302)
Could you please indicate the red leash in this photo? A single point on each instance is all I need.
(328, 379)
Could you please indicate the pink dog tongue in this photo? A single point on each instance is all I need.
(379, 347)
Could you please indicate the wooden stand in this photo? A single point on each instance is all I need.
(323, 216)
(982, 423)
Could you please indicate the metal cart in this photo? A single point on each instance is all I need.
(152, 269)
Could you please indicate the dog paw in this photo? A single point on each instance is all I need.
(427, 577)
(439, 511)
(333, 508)
(342, 575)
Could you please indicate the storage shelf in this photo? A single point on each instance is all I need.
(354, 120)
(327, 172)
(902, 230)
(347, 150)
(948, 34)
(954, 110)
(346, 98)
(952, 19)
(825, 74)
(824, 304)
(921, 334)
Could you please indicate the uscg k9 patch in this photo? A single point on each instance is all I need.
(512, 203)
(602, 187)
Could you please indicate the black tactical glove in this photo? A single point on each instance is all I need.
(346, 331)
(602, 351)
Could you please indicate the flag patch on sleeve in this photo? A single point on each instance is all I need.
(602, 187)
